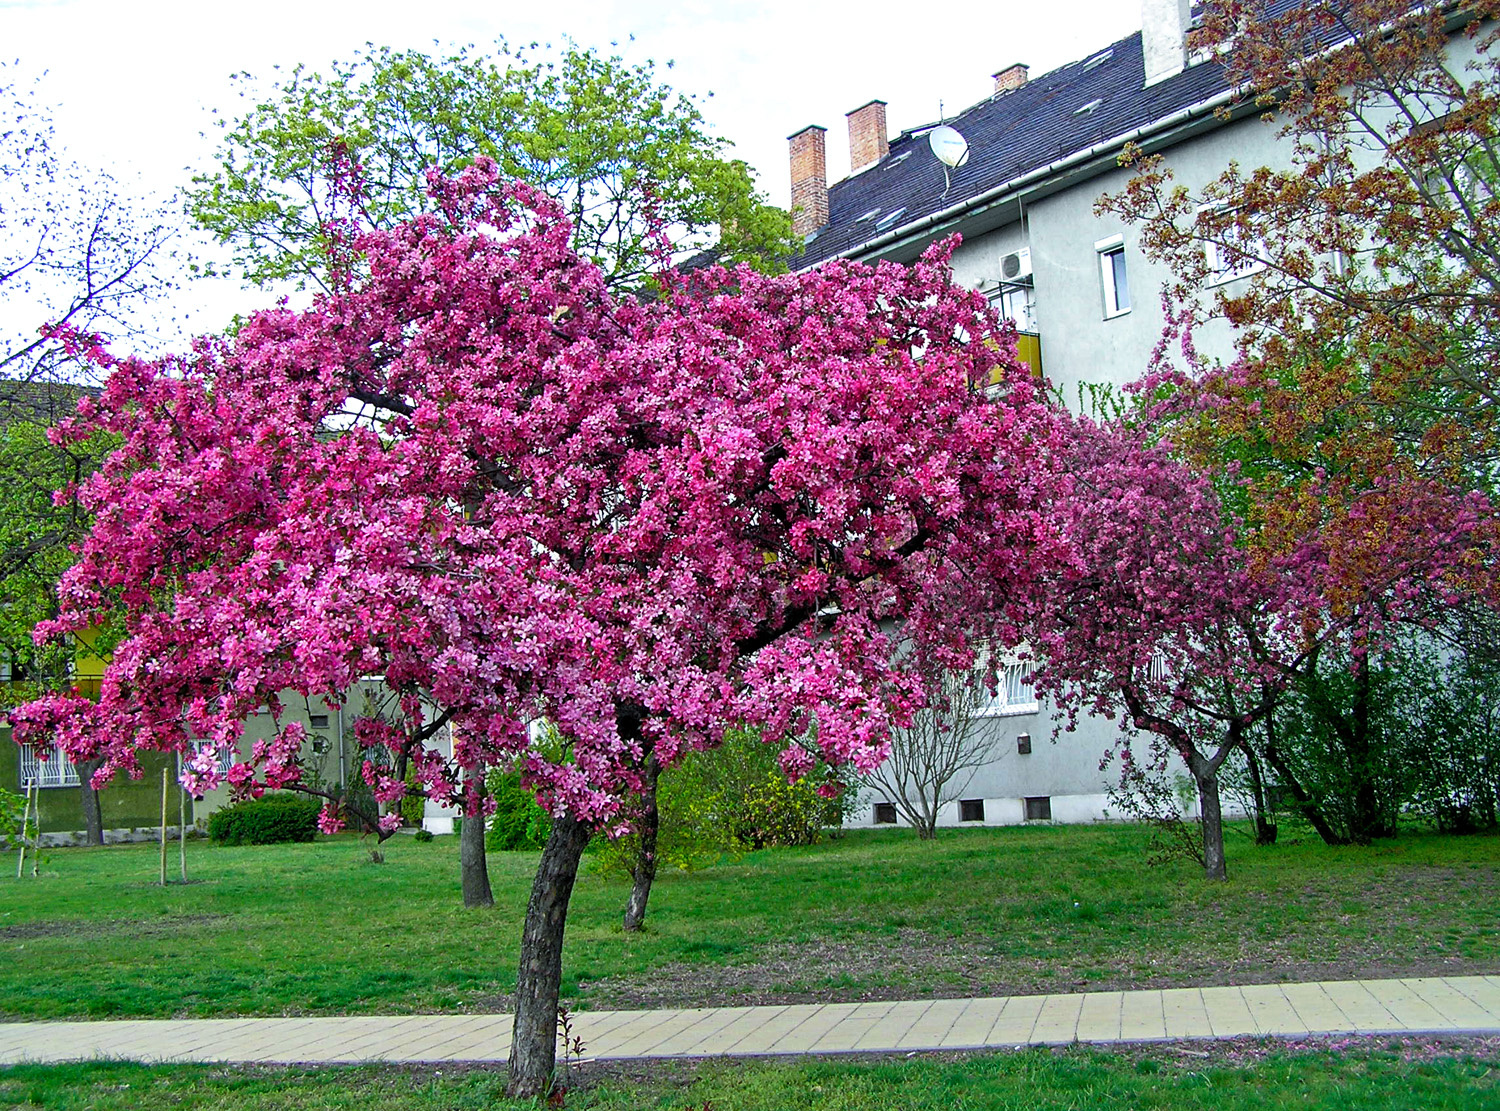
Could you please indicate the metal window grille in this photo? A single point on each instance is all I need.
(1014, 693)
(54, 771)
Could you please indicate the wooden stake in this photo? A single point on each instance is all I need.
(181, 826)
(164, 827)
(25, 817)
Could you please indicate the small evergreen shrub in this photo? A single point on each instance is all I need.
(424, 835)
(518, 822)
(269, 820)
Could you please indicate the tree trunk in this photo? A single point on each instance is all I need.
(473, 869)
(1305, 802)
(1265, 830)
(533, 1049)
(93, 815)
(644, 871)
(1211, 818)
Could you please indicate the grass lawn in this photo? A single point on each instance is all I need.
(309, 929)
(1380, 1076)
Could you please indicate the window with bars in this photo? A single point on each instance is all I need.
(226, 754)
(1014, 693)
(55, 770)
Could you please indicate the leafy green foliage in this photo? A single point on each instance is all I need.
(35, 534)
(728, 800)
(12, 814)
(621, 151)
(269, 820)
(518, 822)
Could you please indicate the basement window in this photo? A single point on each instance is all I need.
(885, 813)
(971, 810)
(1023, 744)
(1039, 809)
(318, 721)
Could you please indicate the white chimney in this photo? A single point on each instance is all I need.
(1164, 29)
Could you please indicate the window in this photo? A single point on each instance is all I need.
(1013, 695)
(1112, 276)
(885, 813)
(971, 810)
(226, 754)
(318, 721)
(1230, 259)
(55, 770)
(1023, 744)
(1039, 809)
(1016, 302)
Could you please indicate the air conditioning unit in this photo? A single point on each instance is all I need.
(1016, 266)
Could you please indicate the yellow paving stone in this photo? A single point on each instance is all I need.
(812, 1028)
(929, 1031)
(1057, 1022)
(1099, 1016)
(1359, 1006)
(642, 1032)
(1409, 1009)
(1272, 1011)
(784, 1033)
(715, 1019)
(745, 1020)
(678, 1035)
(854, 1026)
(1228, 1016)
(1183, 1013)
(1458, 1011)
(971, 1029)
(1319, 1014)
(887, 1031)
(1015, 1023)
(1141, 1016)
(1483, 990)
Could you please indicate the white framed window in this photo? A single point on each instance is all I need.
(1230, 259)
(1114, 283)
(1014, 693)
(55, 771)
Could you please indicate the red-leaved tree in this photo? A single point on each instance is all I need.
(513, 496)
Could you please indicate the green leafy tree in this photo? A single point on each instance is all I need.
(623, 152)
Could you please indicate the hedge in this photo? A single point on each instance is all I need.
(268, 820)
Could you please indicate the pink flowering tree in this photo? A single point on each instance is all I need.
(1168, 620)
(773, 501)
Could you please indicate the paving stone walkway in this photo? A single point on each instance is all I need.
(1445, 1005)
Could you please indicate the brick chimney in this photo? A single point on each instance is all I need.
(1164, 30)
(1011, 77)
(868, 142)
(809, 180)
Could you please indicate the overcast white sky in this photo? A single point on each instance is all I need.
(133, 82)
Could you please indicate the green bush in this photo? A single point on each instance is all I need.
(726, 800)
(518, 822)
(268, 820)
(424, 835)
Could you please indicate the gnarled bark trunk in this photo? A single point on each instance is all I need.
(1210, 816)
(533, 1047)
(643, 874)
(93, 815)
(473, 869)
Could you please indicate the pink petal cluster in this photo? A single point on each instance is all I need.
(775, 501)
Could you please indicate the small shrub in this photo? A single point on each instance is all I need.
(518, 822)
(269, 820)
(424, 835)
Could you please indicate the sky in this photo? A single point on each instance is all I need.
(134, 84)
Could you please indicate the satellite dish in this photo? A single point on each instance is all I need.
(949, 146)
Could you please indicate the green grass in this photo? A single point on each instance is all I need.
(308, 929)
(1364, 1077)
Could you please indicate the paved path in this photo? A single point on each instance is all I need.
(1446, 1005)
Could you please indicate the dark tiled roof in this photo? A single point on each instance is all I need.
(1009, 135)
